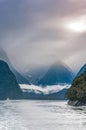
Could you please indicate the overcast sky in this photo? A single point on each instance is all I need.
(41, 32)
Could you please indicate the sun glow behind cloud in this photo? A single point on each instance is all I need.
(77, 25)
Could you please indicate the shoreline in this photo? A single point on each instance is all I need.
(76, 103)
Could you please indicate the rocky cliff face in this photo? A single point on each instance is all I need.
(9, 87)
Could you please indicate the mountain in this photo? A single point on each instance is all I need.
(9, 87)
(83, 68)
(58, 73)
(40, 95)
(77, 92)
(33, 75)
(19, 77)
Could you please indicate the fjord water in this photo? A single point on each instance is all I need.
(41, 115)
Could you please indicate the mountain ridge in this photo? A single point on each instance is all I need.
(19, 77)
(82, 69)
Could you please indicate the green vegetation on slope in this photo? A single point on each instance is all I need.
(78, 89)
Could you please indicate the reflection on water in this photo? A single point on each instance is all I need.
(41, 115)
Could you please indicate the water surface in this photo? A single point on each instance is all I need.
(41, 115)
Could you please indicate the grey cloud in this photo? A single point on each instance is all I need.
(32, 32)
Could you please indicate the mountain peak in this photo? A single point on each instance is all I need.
(58, 73)
(21, 79)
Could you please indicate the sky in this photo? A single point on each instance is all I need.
(40, 32)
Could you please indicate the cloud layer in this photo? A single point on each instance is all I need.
(35, 33)
(46, 90)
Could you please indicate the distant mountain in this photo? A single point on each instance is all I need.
(33, 75)
(57, 74)
(40, 95)
(19, 77)
(9, 87)
(83, 68)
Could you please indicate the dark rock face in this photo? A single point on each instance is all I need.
(57, 74)
(76, 103)
(9, 87)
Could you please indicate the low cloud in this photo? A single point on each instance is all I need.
(46, 90)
